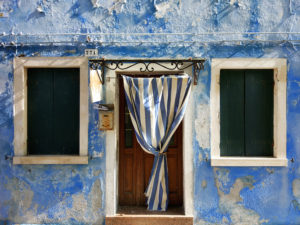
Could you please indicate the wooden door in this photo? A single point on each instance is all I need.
(135, 165)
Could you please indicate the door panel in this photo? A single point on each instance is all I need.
(129, 172)
(135, 165)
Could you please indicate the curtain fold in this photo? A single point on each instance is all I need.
(156, 106)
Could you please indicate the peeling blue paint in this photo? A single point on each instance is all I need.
(65, 194)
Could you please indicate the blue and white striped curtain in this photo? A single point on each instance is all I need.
(156, 107)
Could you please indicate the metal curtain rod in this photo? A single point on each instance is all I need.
(147, 65)
(144, 74)
(149, 59)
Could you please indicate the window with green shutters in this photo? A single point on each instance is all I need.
(53, 111)
(246, 112)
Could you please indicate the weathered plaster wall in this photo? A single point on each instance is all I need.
(76, 194)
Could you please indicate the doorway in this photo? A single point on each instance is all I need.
(135, 165)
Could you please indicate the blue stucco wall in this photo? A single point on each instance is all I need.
(75, 194)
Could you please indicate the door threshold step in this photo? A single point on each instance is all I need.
(149, 220)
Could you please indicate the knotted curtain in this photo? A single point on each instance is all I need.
(156, 106)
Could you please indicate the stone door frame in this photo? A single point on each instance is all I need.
(111, 93)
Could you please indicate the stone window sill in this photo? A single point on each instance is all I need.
(50, 159)
(248, 161)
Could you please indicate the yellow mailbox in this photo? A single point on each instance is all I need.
(106, 117)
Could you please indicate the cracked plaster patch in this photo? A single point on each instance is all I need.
(5, 68)
(116, 5)
(164, 7)
(24, 209)
(222, 175)
(230, 203)
(238, 2)
(22, 196)
(296, 193)
(202, 125)
(296, 188)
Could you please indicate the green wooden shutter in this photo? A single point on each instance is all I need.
(53, 111)
(40, 104)
(259, 112)
(232, 112)
(246, 112)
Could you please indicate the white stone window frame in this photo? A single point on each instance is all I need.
(279, 65)
(21, 64)
(112, 146)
